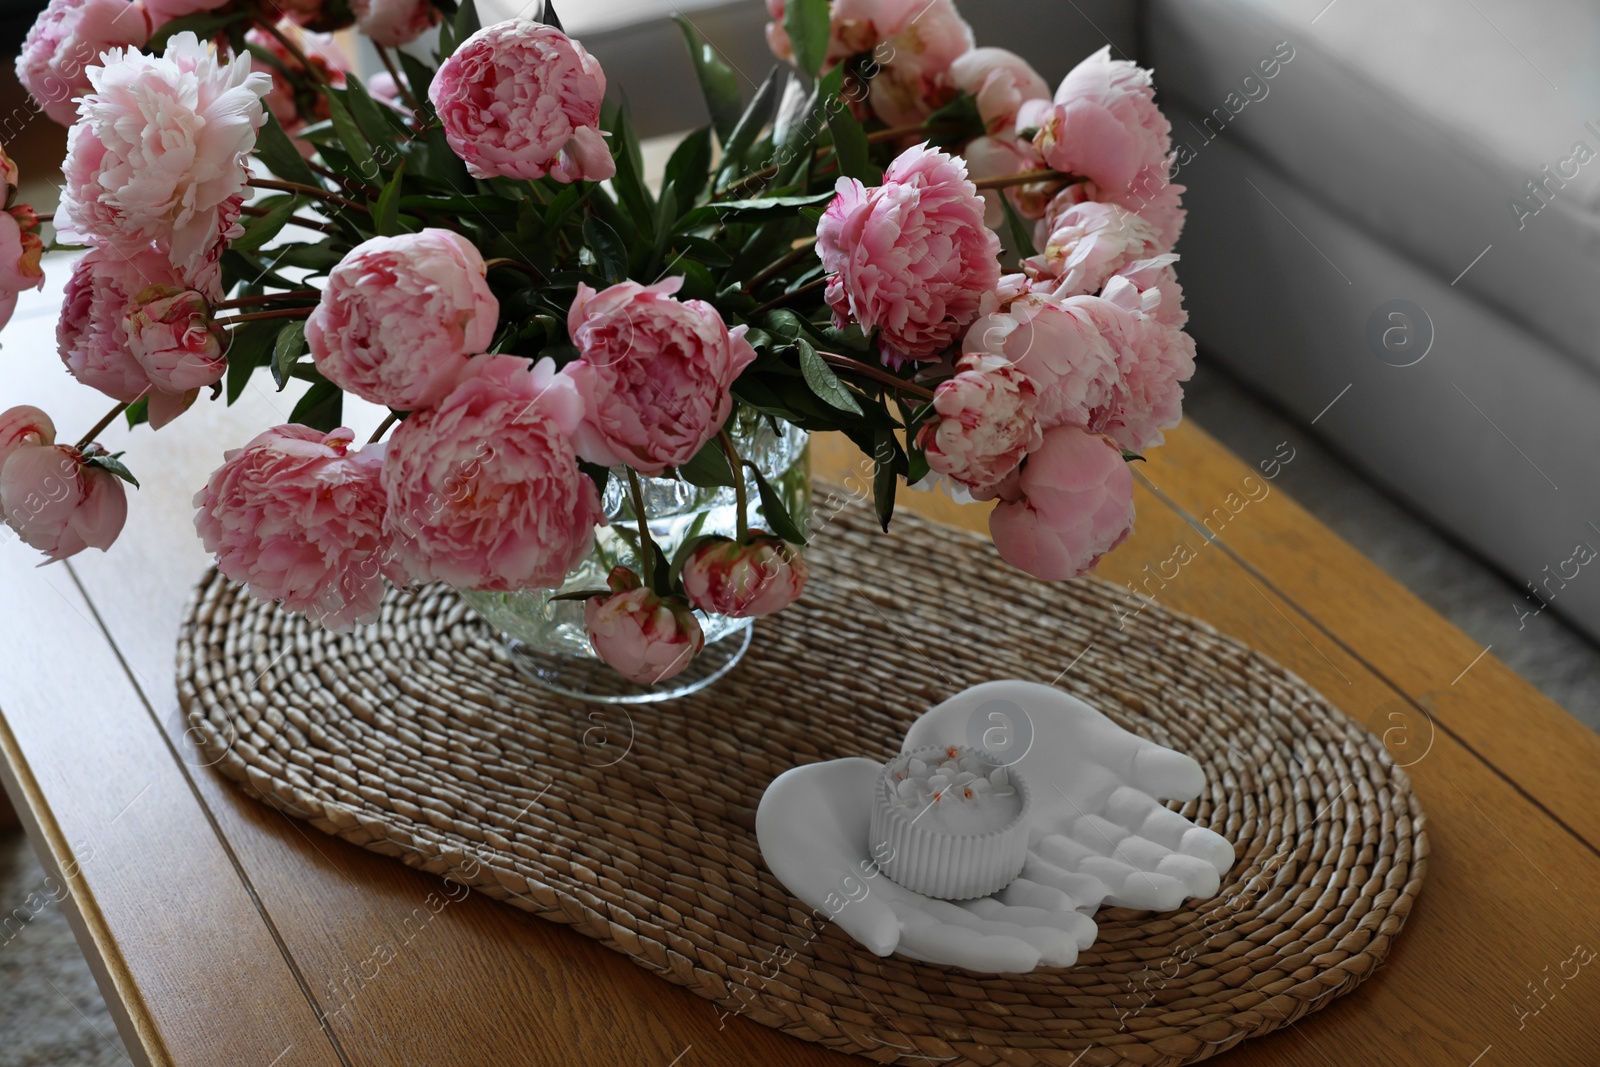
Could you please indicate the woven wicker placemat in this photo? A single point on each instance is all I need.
(418, 738)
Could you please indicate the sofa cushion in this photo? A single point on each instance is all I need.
(1465, 135)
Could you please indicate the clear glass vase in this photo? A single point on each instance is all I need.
(546, 637)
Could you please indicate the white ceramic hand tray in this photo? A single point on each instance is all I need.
(1099, 835)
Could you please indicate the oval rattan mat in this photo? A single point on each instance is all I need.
(417, 738)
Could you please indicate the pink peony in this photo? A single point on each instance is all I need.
(158, 155)
(777, 36)
(93, 330)
(1075, 504)
(66, 39)
(654, 376)
(984, 424)
(1059, 347)
(1159, 296)
(400, 315)
(484, 490)
(298, 516)
(761, 576)
(171, 335)
(1088, 244)
(392, 23)
(57, 503)
(1001, 81)
(1000, 157)
(318, 16)
(1103, 124)
(913, 43)
(164, 11)
(1154, 359)
(908, 47)
(1151, 196)
(20, 249)
(638, 634)
(296, 110)
(21, 426)
(520, 99)
(911, 258)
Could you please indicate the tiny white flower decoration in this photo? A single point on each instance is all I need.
(1098, 834)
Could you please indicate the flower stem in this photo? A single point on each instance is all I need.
(266, 298)
(349, 184)
(308, 190)
(779, 301)
(647, 555)
(276, 313)
(906, 131)
(515, 264)
(796, 255)
(102, 424)
(383, 427)
(294, 50)
(741, 500)
(1027, 177)
(399, 82)
(877, 374)
(310, 224)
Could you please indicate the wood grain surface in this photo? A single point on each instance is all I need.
(226, 933)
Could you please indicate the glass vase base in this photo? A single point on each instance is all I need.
(583, 677)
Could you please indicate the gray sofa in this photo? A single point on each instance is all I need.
(1396, 236)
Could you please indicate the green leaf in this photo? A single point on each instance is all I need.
(264, 228)
(203, 24)
(718, 83)
(745, 210)
(785, 324)
(287, 350)
(138, 411)
(1021, 229)
(110, 463)
(709, 468)
(386, 215)
(369, 115)
(665, 211)
(611, 255)
(629, 180)
(753, 121)
(1131, 457)
(251, 346)
(820, 377)
(807, 24)
(321, 408)
(277, 151)
(318, 257)
(962, 116)
(466, 21)
(852, 337)
(419, 74)
(350, 135)
(773, 509)
(849, 139)
(884, 478)
(548, 15)
(689, 169)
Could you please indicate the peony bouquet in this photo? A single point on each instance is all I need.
(901, 237)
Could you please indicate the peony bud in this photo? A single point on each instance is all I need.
(58, 504)
(640, 635)
(760, 576)
(171, 334)
(24, 425)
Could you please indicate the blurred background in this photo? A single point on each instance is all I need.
(1392, 264)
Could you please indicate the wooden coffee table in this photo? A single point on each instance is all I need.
(226, 933)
